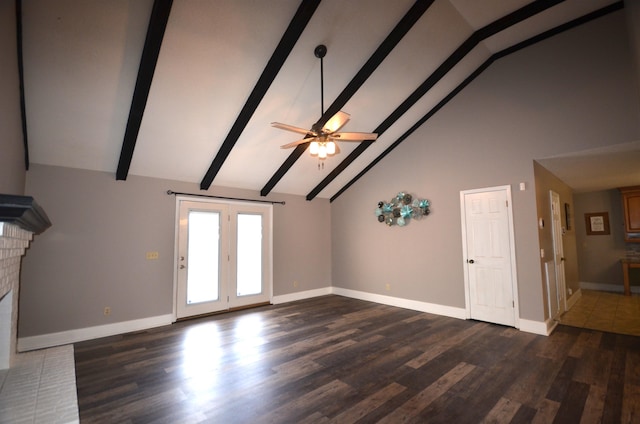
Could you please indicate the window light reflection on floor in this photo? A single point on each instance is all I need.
(201, 356)
(248, 338)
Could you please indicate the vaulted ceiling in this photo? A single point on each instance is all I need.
(186, 89)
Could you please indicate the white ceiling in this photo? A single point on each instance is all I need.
(81, 60)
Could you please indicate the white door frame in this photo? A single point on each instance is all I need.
(514, 275)
(176, 262)
(558, 258)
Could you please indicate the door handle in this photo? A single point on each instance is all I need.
(470, 261)
(181, 266)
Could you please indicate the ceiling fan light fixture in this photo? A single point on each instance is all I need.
(322, 151)
(321, 136)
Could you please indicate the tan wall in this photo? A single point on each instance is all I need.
(599, 255)
(546, 181)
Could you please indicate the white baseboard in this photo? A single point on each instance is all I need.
(547, 327)
(615, 288)
(82, 334)
(308, 294)
(574, 298)
(537, 327)
(414, 305)
(89, 333)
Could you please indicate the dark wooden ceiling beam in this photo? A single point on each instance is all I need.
(414, 127)
(23, 109)
(561, 28)
(394, 37)
(467, 46)
(151, 51)
(547, 34)
(297, 25)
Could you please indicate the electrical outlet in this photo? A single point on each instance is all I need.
(570, 291)
(152, 255)
(107, 311)
(295, 284)
(387, 287)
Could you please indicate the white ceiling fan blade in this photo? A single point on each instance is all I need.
(295, 143)
(336, 122)
(354, 136)
(292, 128)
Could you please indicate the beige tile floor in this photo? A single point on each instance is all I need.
(605, 311)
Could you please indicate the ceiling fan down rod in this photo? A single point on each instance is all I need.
(320, 52)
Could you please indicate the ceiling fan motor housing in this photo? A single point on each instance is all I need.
(320, 51)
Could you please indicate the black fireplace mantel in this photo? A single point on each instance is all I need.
(24, 212)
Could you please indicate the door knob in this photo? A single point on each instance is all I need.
(181, 266)
(470, 261)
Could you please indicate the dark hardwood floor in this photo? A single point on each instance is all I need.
(338, 360)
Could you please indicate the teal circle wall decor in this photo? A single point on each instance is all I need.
(401, 209)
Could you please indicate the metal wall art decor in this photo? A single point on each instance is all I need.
(401, 209)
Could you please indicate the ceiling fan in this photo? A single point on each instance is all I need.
(322, 139)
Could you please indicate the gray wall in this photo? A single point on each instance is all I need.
(12, 166)
(599, 255)
(546, 181)
(94, 254)
(572, 92)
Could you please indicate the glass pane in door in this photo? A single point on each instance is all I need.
(203, 253)
(249, 275)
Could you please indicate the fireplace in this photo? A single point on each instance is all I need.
(20, 218)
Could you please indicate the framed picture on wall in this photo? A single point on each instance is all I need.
(597, 223)
(567, 216)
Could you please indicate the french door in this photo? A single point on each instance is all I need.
(223, 256)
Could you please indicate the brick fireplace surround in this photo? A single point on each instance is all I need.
(13, 244)
(37, 386)
(20, 218)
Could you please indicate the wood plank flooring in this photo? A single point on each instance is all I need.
(333, 359)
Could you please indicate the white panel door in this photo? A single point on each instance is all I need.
(558, 254)
(488, 256)
(223, 256)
